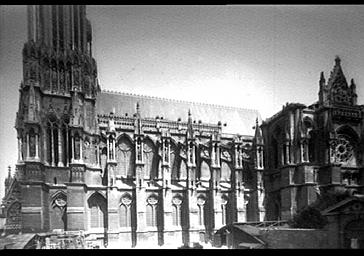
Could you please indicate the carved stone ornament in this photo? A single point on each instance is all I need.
(224, 199)
(201, 200)
(177, 200)
(126, 199)
(152, 200)
(342, 150)
(226, 155)
(60, 202)
(205, 153)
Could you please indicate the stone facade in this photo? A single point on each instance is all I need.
(315, 150)
(122, 179)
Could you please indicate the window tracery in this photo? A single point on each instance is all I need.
(342, 149)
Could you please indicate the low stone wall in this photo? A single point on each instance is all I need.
(295, 238)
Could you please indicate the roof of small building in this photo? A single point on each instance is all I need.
(238, 120)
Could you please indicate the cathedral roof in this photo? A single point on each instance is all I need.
(238, 120)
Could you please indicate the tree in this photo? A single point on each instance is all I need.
(309, 217)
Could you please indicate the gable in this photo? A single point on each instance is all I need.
(347, 206)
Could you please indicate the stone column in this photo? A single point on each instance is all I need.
(60, 151)
(28, 142)
(113, 150)
(45, 146)
(81, 155)
(97, 155)
(20, 156)
(288, 154)
(66, 149)
(72, 148)
(36, 146)
(52, 146)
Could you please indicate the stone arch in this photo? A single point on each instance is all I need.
(125, 156)
(205, 172)
(174, 159)
(152, 210)
(150, 158)
(58, 210)
(225, 171)
(125, 205)
(182, 173)
(354, 234)
(97, 210)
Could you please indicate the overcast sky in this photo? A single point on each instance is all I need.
(256, 57)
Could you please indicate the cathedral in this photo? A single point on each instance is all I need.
(131, 169)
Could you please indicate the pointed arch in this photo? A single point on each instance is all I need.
(225, 171)
(97, 210)
(174, 160)
(205, 174)
(13, 214)
(149, 154)
(125, 156)
(125, 210)
(182, 175)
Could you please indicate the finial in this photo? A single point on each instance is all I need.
(322, 77)
(9, 171)
(138, 108)
(256, 121)
(337, 60)
(189, 112)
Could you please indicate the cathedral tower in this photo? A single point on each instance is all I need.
(56, 116)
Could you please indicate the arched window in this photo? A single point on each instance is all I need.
(14, 214)
(97, 207)
(183, 170)
(60, 27)
(52, 134)
(173, 162)
(177, 211)
(125, 158)
(125, 211)
(77, 146)
(32, 143)
(54, 26)
(149, 152)
(311, 147)
(124, 216)
(205, 171)
(201, 200)
(58, 212)
(151, 214)
(275, 153)
(225, 171)
(224, 201)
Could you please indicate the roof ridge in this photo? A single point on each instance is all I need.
(180, 101)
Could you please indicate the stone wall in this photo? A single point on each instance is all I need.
(295, 238)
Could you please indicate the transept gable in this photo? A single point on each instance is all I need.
(353, 204)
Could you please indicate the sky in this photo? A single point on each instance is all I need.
(257, 57)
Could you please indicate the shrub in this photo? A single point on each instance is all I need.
(309, 217)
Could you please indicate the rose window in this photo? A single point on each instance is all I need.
(342, 149)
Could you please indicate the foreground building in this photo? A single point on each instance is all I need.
(123, 168)
(127, 169)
